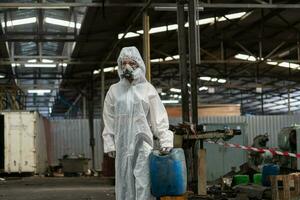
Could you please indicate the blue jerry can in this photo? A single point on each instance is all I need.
(269, 170)
(168, 173)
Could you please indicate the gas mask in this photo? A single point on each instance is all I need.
(128, 72)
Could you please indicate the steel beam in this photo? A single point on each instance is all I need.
(183, 61)
(69, 5)
(247, 5)
(202, 6)
(157, 6)
(192, 59)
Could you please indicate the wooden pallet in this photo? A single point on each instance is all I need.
(291, 186)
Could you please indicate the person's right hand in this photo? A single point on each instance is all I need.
(112, 154)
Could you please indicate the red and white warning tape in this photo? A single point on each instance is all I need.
(260, 150)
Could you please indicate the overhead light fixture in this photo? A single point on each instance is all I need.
(272, 63)
(47, 61)
(63, 64)
(157, 60)
(2, 76)
(158, 29)
(241, 56)
(96, 71)
(170, 101)
(214, 80)
(15, 64)
(163, 94)
(175, 90)
(245, 57)
(232, 16)
(203, 88)
(39, 91)
(107, 69)
(205, 78)
(289, 65)
(60, 22)
(168, 58)
(269, 61)
(212, 20)
(176, 57)
(128, 35)
(171, 27)
(18, 22)
(259, 89)
(32, 61)
(222, 80)
(211, 90)
(188, 84)
(40, 65)
(252, 58)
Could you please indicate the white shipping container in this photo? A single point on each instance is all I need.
(25, 142)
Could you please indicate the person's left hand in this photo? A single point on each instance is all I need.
(165, 150)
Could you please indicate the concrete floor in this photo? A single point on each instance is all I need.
(62, 188)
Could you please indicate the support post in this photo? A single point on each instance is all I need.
(91, 121)
(262, 103)
(192, 57)
(146, 45)
(182, 61)
(84, 115)
(202, 172)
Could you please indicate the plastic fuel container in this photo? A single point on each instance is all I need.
(269, 170)
(168, 173)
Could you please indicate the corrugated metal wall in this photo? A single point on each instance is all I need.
(255, 125)
(72, 136)
(219, 160)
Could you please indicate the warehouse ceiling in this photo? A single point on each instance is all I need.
(249, 52)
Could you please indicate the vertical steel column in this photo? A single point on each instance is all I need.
(84, 115)
(192, 57)
(182, 60)
(102, 97)
(298, 47)
(146, 45)
(242, 103)
(40, 30)
(289, 94)
(262, 103)
(91, 121)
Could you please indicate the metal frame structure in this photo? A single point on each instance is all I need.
(268, 31)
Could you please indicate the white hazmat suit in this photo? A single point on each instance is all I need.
(132, 114)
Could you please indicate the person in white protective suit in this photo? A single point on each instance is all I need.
(133, 113)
